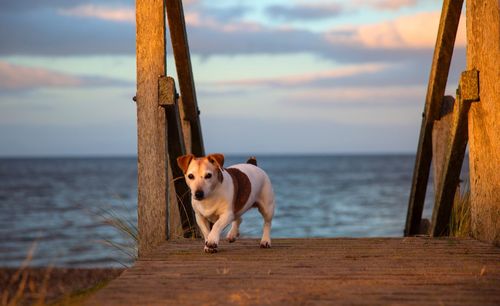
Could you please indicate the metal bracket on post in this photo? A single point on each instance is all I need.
(467, 92)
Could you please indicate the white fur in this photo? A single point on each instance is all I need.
(217, 206)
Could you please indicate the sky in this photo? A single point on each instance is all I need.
(272, 76)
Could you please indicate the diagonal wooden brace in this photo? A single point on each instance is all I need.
(167, 98)
(467, 92)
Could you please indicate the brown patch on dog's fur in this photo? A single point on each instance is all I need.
(183, 162)
(242, 188)
(252, 161)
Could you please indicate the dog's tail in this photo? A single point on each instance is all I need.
(252, 160)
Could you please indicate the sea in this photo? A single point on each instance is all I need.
(56, 211)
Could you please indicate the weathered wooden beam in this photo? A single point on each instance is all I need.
(176, 148)
(467, 92)
(440, 138)
(483, 54)
(450, 16)
(151, 133)
(189, 104)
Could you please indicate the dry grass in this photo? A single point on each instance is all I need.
(21, 285)
(126, 228)
(460, 219)
(63, 286)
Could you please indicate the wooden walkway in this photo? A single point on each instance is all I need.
(373, 271)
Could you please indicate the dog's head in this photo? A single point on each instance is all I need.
(202, 174)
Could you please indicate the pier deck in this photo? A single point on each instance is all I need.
(375, 271)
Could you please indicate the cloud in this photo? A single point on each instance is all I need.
(14, 77)
(31, 5)
(19, 78)
(355, 96)
(386, 4)
(111, 30)
(45, 32)
(304, 11)
(417, 31)
(118, 14)
(310, 78)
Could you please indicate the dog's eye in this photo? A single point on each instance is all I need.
(191, 176)
(208, 175)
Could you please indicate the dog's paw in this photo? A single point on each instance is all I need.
(210, 250)
(265, 244)
(211, 245)
(232, 237)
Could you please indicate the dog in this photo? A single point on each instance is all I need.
(222, 195)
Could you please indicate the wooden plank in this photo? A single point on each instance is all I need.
(176, 148)
(483, 54)
(450, 16)
(440, 139)
(151, 134)
(339, 271)
(180, 46)
(455, 151)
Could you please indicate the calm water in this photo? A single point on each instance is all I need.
(56, 202)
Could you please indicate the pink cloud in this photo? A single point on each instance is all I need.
(411, 31)
(350, 94)
(15, 77)
(387, 4)
(301, 79)
(117, 14)
(127, 14)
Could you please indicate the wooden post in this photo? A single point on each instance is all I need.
(189, 105)
(456, 143)
(483, 54)
(151, 133)
(450, 16)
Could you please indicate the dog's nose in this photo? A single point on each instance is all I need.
(198, 195)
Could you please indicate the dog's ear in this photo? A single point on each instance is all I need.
(183, 162)
(216, 159)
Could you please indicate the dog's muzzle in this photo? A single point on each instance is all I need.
(199, 194)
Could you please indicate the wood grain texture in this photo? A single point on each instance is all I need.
(443, 50)
(343, 271)
(180, 46)
(151, 132)
(186, 128)
(176, 148)
(174, 225)
(440, 138)
(456, 143)
(483, 53)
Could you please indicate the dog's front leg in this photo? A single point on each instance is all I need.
(203, 224)
(214, 235)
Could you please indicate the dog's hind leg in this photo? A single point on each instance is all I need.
(266, 209)
(234, 232)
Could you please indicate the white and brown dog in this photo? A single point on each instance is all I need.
(221, 195)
